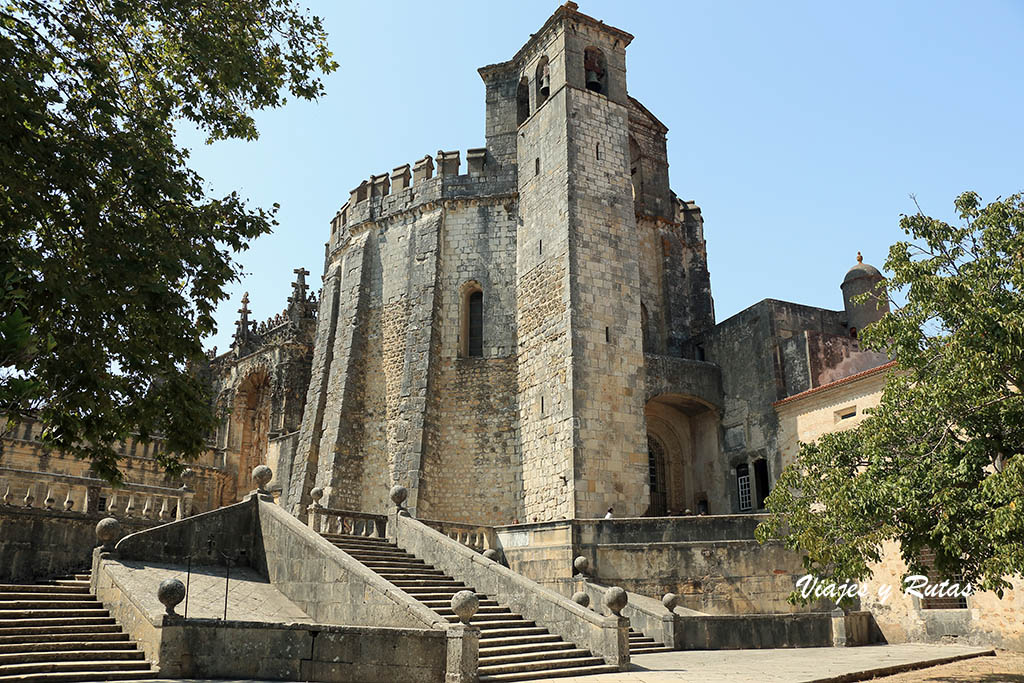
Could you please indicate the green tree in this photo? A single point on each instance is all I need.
(937, 464)
(113, 257)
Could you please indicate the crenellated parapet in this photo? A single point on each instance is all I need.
(426, 180)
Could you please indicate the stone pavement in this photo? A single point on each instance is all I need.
(796, 665)
(791, 665)
(250, 596)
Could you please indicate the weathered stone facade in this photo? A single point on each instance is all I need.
(531, 337)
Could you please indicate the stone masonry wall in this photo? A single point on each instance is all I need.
(543, 299)
(608, 364)
(472, 435)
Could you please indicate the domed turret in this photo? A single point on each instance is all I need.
(860, 279)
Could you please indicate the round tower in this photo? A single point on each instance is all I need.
(860, 279)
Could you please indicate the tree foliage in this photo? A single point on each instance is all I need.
(112, 256)
(937, 464)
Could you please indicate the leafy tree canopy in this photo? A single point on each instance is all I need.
(937, 465)
(113, 257)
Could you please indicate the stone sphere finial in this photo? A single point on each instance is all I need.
(615, 599)
(465, 604)
(170, 593)
(492, 554)
(398, 496)
(670, 600)
(581, 598)
(581, 564)
(108, 531)
(262, 475)
(316, 494)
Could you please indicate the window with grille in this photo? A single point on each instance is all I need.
(656, 476)
(743, 486)
(957, 602)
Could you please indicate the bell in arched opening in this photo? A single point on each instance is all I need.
(593, 81)
(545, 83)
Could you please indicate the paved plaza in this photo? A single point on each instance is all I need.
(250, 596)
(797, 665)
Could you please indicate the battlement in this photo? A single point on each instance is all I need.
(431, 178)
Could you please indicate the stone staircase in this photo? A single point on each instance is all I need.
(59, 631)
(511, 647)
(639, 644)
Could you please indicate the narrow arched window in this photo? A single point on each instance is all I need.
(476, 325)
(645, 330)
(522, 101)
(596, 70)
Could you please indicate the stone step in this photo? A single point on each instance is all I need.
(120, 655)
(56, 622)
(54, 634)
(513, 632)
(483, 609)
(416, 589)
(514, 622)
(32, 588)
(399, 568)
(74, 676)
(541, 665)
(541, 640)
(648, 649)
(77, 583)
(47, 598)
(536, 655)
(69, 666)
(11, 605)
(551, 673)
(351, 538)
(479, 619)
(378, 556)
(108, 626)
(423, 594)
(94, 610)
(36, 645)
(446, 604)
(550, 643)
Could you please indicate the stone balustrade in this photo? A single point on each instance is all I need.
(333, 521)
(86, 495)
(479, 538)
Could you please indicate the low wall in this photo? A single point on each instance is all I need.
(38, 544)
(326, 582)
(753, 631)
(213, 648)
(712, 562)
(322, 580)
(206, 538)
(604, 636)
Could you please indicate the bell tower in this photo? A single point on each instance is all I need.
(581, 365)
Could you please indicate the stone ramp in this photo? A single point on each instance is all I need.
(59, 631)
(511, 647)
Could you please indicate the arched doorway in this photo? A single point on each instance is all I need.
(249, 429)
(656, 477)
(682, 447)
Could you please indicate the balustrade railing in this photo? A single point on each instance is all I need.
(473, 536)
(333, 521)
(86, 495)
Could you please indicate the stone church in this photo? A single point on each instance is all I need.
(530, 336)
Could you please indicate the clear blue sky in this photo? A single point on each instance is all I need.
(800, 128)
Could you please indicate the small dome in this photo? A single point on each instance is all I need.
(862, 270)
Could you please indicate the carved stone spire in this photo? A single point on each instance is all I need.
(242, 324)
(298, 302)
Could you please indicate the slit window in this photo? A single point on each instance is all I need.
(476, 325)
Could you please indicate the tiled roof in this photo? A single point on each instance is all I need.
(845, 380)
